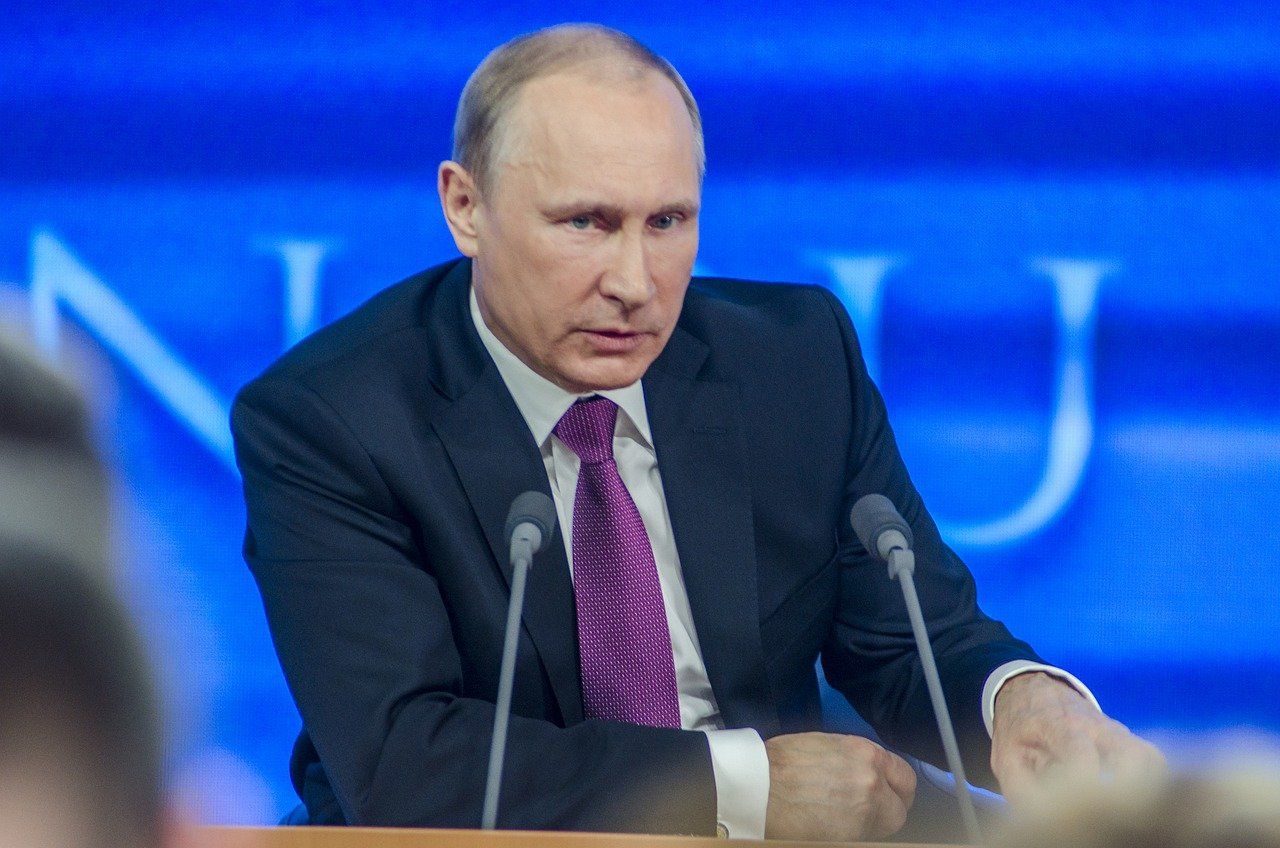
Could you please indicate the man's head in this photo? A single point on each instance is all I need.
(575, 188)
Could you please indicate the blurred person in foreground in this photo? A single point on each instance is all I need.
(703, 441)
(1231, 806)
(80, 740)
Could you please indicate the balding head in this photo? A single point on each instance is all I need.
(575, 191)
(600, 53)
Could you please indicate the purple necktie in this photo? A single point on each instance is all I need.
(628, 673)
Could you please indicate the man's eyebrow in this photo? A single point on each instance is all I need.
(682, 207)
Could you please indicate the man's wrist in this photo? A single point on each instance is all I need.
(1007, 672)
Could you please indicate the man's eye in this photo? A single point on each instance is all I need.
(664, 222)
(580, 222)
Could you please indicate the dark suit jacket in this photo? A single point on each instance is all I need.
(379, 458)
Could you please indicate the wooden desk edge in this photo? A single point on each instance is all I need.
(212, 836)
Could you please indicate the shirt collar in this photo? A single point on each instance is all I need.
(543, 403)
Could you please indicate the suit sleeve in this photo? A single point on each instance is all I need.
(364, 639)
(871, 656)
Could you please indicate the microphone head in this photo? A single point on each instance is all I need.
(871, 517)
(532, 508)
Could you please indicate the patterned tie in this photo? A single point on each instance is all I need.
(627, 670)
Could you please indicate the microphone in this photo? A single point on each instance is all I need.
(879, 527)
(887, 536)
(531, 524)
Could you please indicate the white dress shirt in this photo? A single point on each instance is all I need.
(739, 762)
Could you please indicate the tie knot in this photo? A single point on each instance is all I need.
(587, 429)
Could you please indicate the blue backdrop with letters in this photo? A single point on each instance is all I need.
(1057, 227)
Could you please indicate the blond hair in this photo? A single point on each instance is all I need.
(494, 86)
(1228, 807)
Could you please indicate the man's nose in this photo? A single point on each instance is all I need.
(627, 278)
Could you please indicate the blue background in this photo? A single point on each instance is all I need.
(185, 188)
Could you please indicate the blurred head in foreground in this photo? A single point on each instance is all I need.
(80, 746)
(1230, 807)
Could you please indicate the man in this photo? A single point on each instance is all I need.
(702, 444)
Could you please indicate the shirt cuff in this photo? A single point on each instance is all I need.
(740, 765)
(1009, 670)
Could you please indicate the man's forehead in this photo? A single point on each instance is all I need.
(596, 96)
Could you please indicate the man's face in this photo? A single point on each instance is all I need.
(586, 238)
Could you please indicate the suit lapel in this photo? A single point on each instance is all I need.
(697, 438)
(496, 459)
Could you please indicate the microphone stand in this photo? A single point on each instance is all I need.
(526, 539)
(902, 567)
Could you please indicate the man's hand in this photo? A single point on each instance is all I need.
(1045, 731)
(827, 786)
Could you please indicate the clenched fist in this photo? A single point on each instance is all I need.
(828, 786)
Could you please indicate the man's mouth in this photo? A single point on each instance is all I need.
(608, 340)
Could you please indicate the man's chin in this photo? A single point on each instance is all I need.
(603, 376)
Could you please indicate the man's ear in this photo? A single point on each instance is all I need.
(459, 199)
